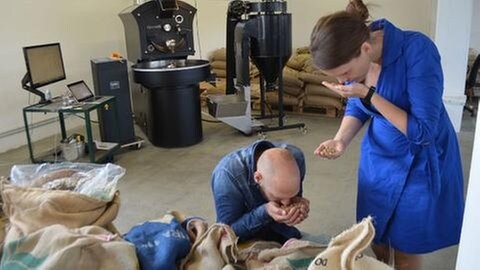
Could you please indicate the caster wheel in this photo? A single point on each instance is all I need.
(137, 146)
(304, 130)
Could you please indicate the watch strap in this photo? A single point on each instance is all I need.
(367, 100)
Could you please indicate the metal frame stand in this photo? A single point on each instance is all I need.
(281, 113)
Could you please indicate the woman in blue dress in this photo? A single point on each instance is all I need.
(410, 175)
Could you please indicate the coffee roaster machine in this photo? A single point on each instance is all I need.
(260, 31)
(159, 39)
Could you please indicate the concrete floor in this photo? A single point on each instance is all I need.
(158, 180)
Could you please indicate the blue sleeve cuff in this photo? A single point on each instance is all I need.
(353, 110)
(417, 134)
(263, 215)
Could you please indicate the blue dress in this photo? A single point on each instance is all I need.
(412, 185)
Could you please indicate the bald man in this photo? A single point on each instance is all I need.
(257, 190)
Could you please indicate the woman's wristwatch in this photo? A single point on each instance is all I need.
(367, 100)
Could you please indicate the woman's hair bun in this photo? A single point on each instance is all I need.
(358, 8)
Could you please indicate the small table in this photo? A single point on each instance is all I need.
(94, 155)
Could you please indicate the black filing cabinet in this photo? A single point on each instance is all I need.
(110, 78)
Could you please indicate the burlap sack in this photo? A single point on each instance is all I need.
(297, 61)
(196, 227)
(316, 78)
(472, 54)
(291, 77)
(217, 64)
(303, 50)
(322, 102)
(222, 73)
(309, 67)
(294, 254)
(219, 89)
(210, 89)
(255, 91)
(254, 72)
(288, 71)
(344, 251)
(31, 209)
(293, 90)
(214, 249)
(3, 226)
(219, 55)
(57, 247)
(319, 90)
(3, 231)
(289, 100)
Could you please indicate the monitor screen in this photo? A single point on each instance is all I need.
(44, 64)
(80, 90)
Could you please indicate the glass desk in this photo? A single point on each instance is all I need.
(54, 155)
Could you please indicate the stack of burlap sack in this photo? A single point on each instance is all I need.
(472, 55)
(304, 81)
(302, 84)
(218, 66)
(293, 91)
(47, 225)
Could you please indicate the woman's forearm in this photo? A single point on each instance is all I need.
(348, 129)
(396, 116)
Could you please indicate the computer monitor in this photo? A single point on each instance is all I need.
(44, 66)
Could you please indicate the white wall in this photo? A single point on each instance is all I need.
(86, 29)
(475, 31)
(212, 17)
(408, 14)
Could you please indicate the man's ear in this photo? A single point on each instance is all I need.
(366, 47)
(257, 176)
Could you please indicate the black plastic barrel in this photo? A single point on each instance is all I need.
(174, 115)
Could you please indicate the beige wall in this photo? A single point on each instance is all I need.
(408, 14)
(87, 29)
